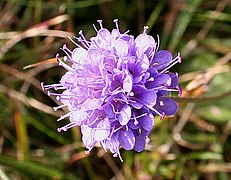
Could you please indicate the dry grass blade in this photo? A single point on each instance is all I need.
(113, 166)
(190, 46)
(213, 168)
(46, 62)
(219, 67)
(20, 75)
(38, 30)
(202, 124)
(29, 101)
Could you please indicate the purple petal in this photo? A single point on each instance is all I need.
(141, 66)
(174, 80)
(87, 136)
(161, 59)
(153, 72)
(161, 80)
(115, 33)
(112, 143)
(166, 105)
(94, 55)
(127, 83)
(132, 125)
(79, 55)
(91, 104)
(127, 139)
(103, 130)
(78, 116)
(68, 79)
(147, 121)
(109, 110)
(144, 42)
(136, 104)
(104, 37)
(139, 143)
(148, 97)
(121, 47)
(125, 114)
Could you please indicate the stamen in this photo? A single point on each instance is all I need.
(42, 86)
(82, 42)
(158, 43)
(59, 107)
(136, 122)
(179, 90)
(118, 154)
(94, 41)
(53, 94)
(100, 23)
(126, 128)
(68, 126)
(176, 90)
(121, 100)
(66, 51)
(61, 63)
(66, 48)
(89, 150)
(116, 91)
(93, 121)
(103, 145)
(46, 87)
(162, 116)
(67, 98)
(116, 23)
(58, 88)
(113, 109)
(131, 94)
(176, 60)
(137, 117)
(118, 129)
(153, 109)
(180, 58)
(151, 56)
(145, 29)
(53, 86)
(95, 28)
(133, 101)
(84, 39)
(64, 116)
(74, 42)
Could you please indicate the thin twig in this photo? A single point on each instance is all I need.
(202, 99)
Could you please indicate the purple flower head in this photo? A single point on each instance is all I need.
(115, 86)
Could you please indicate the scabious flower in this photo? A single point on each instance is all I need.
(114, 87)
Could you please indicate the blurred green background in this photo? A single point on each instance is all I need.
(194, 144)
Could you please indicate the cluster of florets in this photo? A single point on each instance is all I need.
(115, 87)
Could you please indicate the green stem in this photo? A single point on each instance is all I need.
(201, 99)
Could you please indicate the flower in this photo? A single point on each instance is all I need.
(115, 86)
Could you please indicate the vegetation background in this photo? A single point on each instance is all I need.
(194, 144)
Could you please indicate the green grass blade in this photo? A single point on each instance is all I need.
(155, 14)
(30, 168)
(182, 22)
(204, 156)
